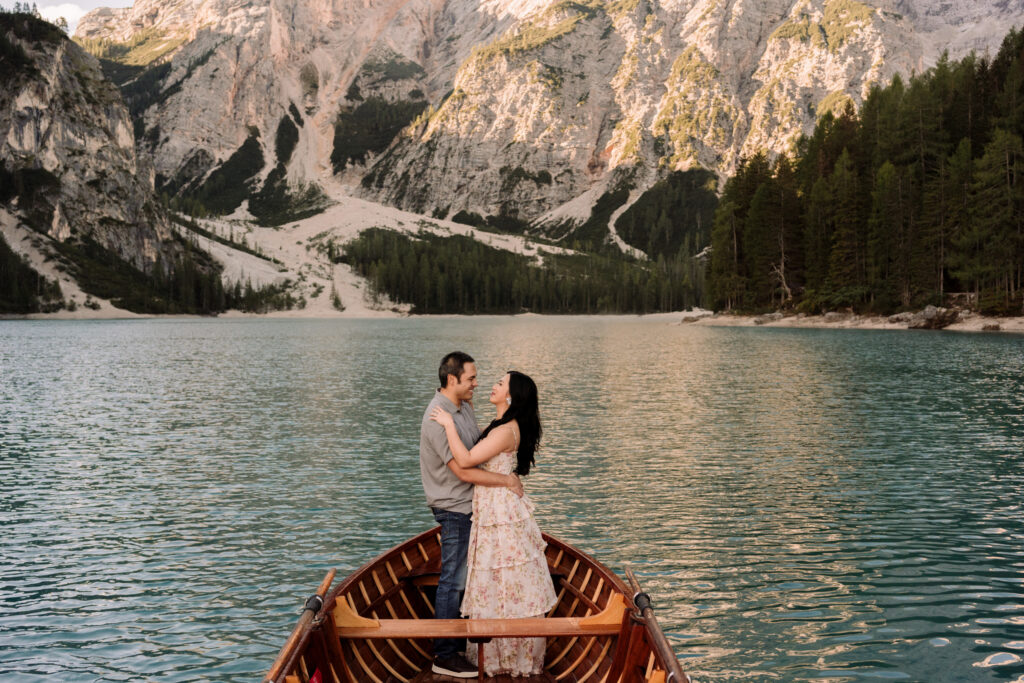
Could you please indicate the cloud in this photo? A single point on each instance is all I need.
(68, 10)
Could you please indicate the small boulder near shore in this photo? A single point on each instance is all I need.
(934, 318)
(991, 327)
(904, 317)
(768, 318)
(694, 316)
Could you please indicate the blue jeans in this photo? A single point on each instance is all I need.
(454, 548)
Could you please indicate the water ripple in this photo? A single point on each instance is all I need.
(828, 505)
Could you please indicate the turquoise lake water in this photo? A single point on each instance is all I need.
(828, 505)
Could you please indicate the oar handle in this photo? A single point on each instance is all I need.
(309, 610)
(642, 602)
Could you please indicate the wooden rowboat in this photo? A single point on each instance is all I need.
(376, 626)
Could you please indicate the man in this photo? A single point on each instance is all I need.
(449, 490)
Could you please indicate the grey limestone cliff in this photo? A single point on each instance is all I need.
(530, 110)
(67, 148)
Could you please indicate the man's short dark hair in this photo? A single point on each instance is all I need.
(453, 364)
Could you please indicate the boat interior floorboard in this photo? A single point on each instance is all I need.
(430, 677)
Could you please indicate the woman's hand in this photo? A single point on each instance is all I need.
(442, 417)
(515, 484)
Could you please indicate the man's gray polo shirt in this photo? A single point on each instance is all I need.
(444, 490)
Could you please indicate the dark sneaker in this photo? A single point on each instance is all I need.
(457, 667)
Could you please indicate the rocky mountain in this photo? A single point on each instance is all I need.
(78, 212)
(521, 112)
(67, 148)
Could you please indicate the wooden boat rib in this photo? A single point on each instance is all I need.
(376, 625)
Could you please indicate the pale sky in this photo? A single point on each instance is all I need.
(72, 11)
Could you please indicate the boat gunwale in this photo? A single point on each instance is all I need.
(363, 571)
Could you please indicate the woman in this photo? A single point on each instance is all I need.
(507, 576)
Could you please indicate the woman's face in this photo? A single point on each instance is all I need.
(499, 392)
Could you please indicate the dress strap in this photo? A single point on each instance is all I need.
(515, 434)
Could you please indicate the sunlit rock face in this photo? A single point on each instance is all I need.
(64, 128)
(526, 106)
(121, 24)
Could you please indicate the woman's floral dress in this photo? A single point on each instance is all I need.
(507, 575)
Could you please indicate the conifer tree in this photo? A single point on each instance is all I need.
(788, 270)
(880, 123)
(1010, 100)
(993, 251)
(961, 180)
(967, 113)
(819, 151)
(921, 138)
(886, 269)
(946, 211)
(846, 261)
(818, 236)
(724, 279)
(760, 245)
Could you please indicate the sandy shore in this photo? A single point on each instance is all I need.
(697, 318)
(971, 322)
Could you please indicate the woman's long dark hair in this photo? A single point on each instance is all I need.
(524, 410)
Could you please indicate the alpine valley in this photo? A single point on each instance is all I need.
(200, 155)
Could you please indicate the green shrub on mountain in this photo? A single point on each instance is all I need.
(675, 214)
(231, 183)
(22, 289)
(369, 128)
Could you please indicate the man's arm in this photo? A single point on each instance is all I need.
(479, 477)
(498, 441)
(434, 433)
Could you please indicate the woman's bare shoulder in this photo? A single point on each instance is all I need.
(509, 430)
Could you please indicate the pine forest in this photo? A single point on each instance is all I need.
(918, 196)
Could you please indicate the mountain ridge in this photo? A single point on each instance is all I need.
(594, 93)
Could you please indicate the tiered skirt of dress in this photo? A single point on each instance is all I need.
(507, 574)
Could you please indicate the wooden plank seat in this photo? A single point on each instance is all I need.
(605, 623)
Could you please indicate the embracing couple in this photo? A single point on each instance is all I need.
(491, 546)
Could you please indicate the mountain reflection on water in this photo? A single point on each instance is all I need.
(834, 505)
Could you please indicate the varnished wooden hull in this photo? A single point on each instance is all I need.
(398, 586)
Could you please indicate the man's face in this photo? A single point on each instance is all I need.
(467, 383)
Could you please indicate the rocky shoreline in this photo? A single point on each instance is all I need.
(953, 319)
(930, 318)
